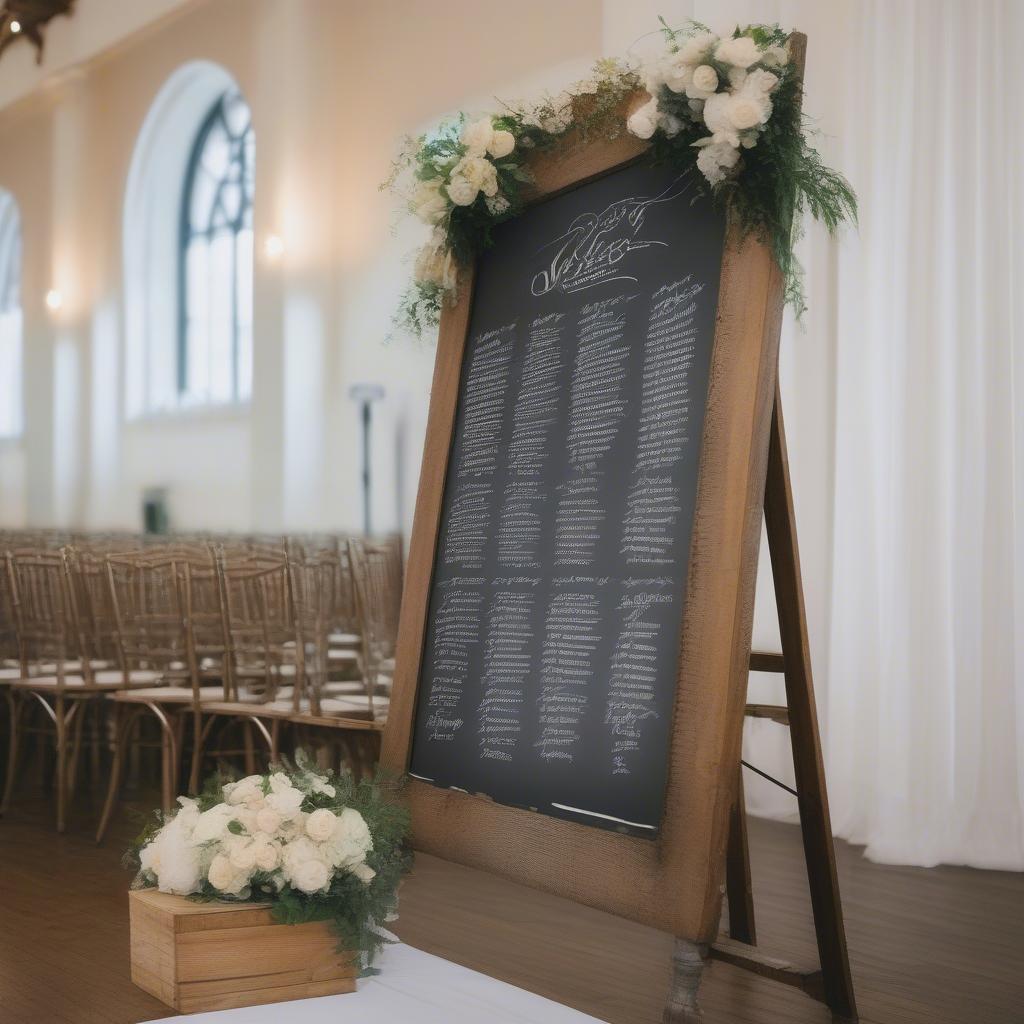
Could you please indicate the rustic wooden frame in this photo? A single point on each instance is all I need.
(673, 882)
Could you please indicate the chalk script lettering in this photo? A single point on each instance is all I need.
(592, 250)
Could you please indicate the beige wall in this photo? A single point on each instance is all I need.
(333, 86)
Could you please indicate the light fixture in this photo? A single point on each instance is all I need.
(15, 26)
(54, 299)
(273, 246)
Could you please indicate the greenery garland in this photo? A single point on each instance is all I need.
(730, 104)
(257, 840)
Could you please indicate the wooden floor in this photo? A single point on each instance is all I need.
(943, 946)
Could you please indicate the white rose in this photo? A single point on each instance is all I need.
(280, 782)
(268, 856)
(741, 52)
(149, 856)
(677, 74)
(776, 56)
(320, 825)
(717, 116)
(695, 49)
(363, 872)
(311, 876)
(242, 855)
(737, 76)
(644, 120)
(479, 172)
(461, 192)
(213, 824)
(430, 206)
(476, 137)
(245, 790)
(715, 158)
(268, 820)
(744, 113)
(760, 81)
(351, 841)
(221, 873)
(317, 783)
(286, 802)
(502, 143)
(704, 83)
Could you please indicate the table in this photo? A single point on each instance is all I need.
(413, 987)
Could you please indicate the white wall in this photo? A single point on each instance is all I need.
(333, 88)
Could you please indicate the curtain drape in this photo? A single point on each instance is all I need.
(903, 390)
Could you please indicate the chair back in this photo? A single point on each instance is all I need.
(146, 593)
(259, 627)
(44, 615)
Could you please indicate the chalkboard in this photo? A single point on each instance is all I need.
(549, 666)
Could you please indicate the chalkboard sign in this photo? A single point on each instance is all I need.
(550, 660)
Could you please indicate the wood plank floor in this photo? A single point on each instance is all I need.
(942, 946)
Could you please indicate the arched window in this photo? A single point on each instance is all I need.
(215, 339)
(10, 318)
(188, 247)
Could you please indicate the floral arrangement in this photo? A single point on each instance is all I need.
(728, 104)
(318, 846)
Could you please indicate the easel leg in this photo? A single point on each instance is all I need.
(738, 885)
(819, 851)
(688, 960)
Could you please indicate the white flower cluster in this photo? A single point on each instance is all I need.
(260, 828)
(727, 82)
(459, 185)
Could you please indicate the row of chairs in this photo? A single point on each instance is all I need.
(271, 632)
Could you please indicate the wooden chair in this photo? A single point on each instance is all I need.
(377, 570)
(148, 595)
(57, 672)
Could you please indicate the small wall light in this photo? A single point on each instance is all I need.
(54, 299)
(15, 26)
(273, 246)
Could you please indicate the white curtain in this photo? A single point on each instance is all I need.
(904, 398)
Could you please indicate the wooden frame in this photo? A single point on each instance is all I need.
(674, 881)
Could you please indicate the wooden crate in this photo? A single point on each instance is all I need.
(215, 956)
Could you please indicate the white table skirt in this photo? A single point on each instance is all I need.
(413, 988)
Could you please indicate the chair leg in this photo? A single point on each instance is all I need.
(14, 707)
(169, 756)
(76, 751)
(198, 735)
(124, 719)
(61, 767)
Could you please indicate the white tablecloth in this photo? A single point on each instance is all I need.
(413, 988)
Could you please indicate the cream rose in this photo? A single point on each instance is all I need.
(477, 137)
(320, 825)
(744, 113)
(479, 172)
(644, 120)
(462, 192)
(741, 52)
(703, 83)
(249, 789)
(242, 855)
(268, 856)
(221, 873)
(268, 820)
(311, 876)
(287, 802)
(430, 206)
(502, 143)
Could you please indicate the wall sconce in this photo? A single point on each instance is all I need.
(273, 247)
(54, 300)
(15, 27)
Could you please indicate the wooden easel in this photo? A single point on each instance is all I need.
(832, 983)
